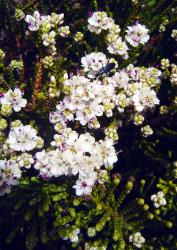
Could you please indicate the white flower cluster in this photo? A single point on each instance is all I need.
(87, 99)
(94, 62)
(137, 239)
(10, 173)
(76, 154)
(48, 26)
(159, 199)
(13, 99)
(99, 21)
(20, 139)
(136, 34)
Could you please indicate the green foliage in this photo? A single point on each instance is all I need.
(44, 211)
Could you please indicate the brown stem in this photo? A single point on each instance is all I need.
(36, 86)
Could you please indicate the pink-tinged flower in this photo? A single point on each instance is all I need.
(82, 188)
(137, 34)
(34, 22)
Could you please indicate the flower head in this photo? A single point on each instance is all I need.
(159, 199)
(137, 239)
(137, 34)
(22, 138)
(14, 98)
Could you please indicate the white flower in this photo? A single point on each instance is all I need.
(146, 130)
(119, 47)
(82, 188)
(99, 21)
(10, 173)
(137, 34)
(50, 163)
(174, 34)
(107, 152)
(159, 199)
(138, 119)
(93, 62)
(137, 239)
(145, 99)
(22, 138)
(121, 79)
(34, 22)
(14, 98)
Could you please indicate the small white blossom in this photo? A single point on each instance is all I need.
(22, 138)
(145, 99)
(137, 34)
(25, 160)
(137, 239)
(165, 63)
(14, 98)
(10, 173)
(119, 47)
(146, 131)
(138, 119)
(34, 22)
(174, 34)
(159, 199)
(82, 188)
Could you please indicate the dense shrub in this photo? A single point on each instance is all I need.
(88, 124)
